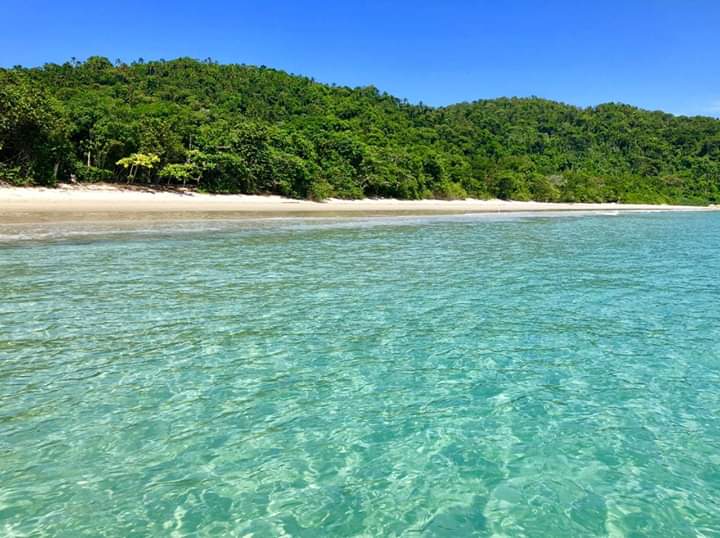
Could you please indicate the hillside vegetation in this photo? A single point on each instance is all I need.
(236, 128)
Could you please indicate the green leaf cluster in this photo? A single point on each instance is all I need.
(238, 128)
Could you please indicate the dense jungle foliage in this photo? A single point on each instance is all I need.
(236, 128)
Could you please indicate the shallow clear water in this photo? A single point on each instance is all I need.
(458, 376)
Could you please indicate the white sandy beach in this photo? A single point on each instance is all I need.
(111, 199)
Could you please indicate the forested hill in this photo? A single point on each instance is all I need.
(235, 128)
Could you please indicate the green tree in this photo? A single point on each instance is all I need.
(137, 162)
(235, 128)
(33, 135)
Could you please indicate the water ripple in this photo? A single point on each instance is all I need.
(458, 376)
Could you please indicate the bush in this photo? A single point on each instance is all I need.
(14, 176)
(512, 186)
(93, 174)
(449, 190)
(542, 189)
(320, 190)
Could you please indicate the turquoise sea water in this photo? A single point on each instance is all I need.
(439, 376)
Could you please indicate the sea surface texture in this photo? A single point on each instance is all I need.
(436, 376)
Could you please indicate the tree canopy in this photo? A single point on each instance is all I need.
(238, 128)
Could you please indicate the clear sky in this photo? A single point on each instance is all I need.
(657, 54)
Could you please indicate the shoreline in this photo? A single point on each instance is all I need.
(104, 201)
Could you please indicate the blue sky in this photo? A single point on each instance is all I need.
(657, 54)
